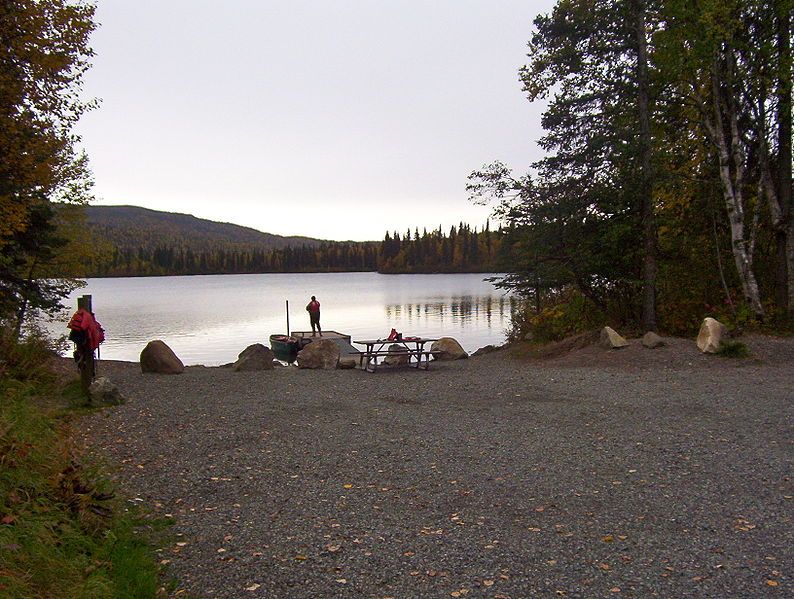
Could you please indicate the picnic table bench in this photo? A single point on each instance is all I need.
(412, 347)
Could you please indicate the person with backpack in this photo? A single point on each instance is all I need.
(313, 308)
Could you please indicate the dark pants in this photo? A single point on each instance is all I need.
(314, 318)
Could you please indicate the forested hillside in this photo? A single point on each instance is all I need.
(133, 227)
(133, 241)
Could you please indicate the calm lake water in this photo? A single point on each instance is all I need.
(211, 319)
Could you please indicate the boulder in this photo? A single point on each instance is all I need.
(159, 358)
(254, 357)
(710, 337)
(651, 340)
(320, 353)
(487, 349)
(449, 348)
(347, 363)
(104, 393)
(610, 339)
(398, 355)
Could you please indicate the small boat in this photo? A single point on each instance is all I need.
(285, 347)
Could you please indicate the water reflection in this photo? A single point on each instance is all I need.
(481, 310)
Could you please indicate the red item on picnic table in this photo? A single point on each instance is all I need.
(392, 336)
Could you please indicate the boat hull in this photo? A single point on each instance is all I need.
(284, 348)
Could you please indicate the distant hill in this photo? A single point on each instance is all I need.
(134, 241)
(133, 227)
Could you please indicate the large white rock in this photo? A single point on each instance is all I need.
(320, 354)
(157, 357)
(711, 334)
(450, 349)
(611, 339)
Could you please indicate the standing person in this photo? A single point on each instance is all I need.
(313, 308)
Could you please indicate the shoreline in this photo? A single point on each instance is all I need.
(495, 475)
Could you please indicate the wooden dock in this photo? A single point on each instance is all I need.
(344, 342)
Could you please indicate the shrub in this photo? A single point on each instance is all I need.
(733, 349)
(570, 314)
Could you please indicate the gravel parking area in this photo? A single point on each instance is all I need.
(636, 473)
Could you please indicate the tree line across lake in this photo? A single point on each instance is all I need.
(462, 249)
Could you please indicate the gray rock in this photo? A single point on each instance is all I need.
(347, 363)
(254, 357)
(157, 357)
(485, 350)
(610, 339)
(710, 337)
(450, 349)
(651, 340)
(103, 392)
(319, 354)
(398, 355)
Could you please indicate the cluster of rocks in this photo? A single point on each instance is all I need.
(321, 354)
(324, 354)
(611, 339)
(709, 341)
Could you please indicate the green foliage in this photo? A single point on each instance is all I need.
(26, 361)
(568, 315)
(578, 223)
(62, 534)
(43, 58)
(733, 349)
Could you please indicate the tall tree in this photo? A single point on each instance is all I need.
(44, 54)
(730, 60)
(785, 237)
(589, 210)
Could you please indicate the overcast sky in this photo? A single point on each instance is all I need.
(336, 119)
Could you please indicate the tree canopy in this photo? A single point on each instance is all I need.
(44, 54)
(665, 190)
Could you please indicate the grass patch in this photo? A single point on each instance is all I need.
(733, 349)
(75, 395)
(63, 532)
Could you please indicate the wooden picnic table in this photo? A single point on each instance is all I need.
(413, 347)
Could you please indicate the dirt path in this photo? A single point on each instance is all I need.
(638, 474)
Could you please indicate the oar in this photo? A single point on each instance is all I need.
(287, 318)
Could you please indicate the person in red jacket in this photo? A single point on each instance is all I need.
(313, 308)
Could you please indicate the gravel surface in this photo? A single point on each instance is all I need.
(632, 473)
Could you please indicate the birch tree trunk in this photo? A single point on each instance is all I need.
(731, 158)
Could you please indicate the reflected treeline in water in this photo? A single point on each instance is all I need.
(487, 309)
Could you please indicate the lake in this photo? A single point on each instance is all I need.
(211, 319)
